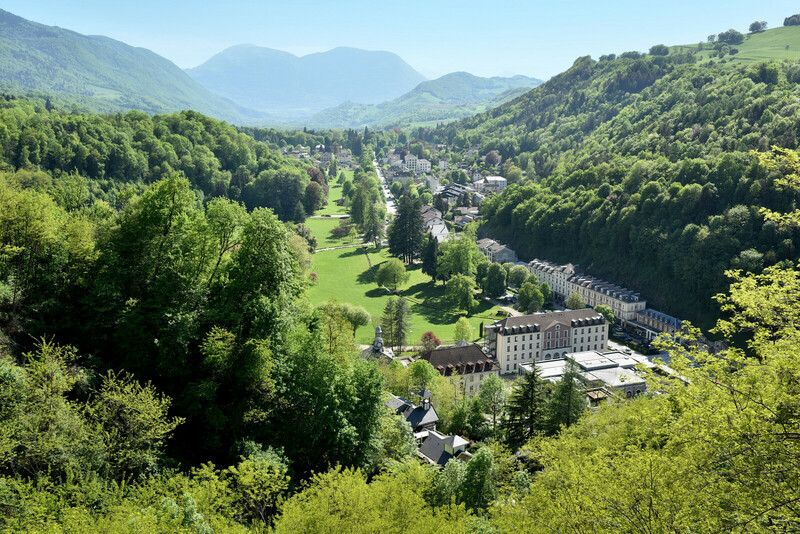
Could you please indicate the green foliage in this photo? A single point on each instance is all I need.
(494, 283)
(567, 401)
(575, 301)
(460, 291)
(462, 330)
(529, 298)
(517, 275)
(493, 394)
(525, 410)
(406, 230)
(606, 312)
(391, 274)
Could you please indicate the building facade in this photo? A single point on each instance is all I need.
(546, 336)
(564, 279)
(466, 361)
(496, 252)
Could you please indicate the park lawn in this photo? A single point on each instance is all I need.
(345, 274)
(334, 194)
(321, 227)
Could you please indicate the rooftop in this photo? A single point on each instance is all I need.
(539, 322)
(460, 359)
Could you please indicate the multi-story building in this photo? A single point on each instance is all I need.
(417, 165)
(653, 322)
(545, 336)
(564, 279)
(594, 291)
(556, 276)
(466, 361)
(491, 184)
(496, 252)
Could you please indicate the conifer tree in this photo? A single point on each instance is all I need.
(525, 409)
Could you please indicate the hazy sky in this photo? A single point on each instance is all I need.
(484, 37)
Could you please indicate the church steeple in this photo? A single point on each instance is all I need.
(377, 344)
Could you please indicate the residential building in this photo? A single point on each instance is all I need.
(491, 184)
(438, 449)
(465, 360)
(429, 213)
(496, 252)
(652, 323)
(542, 337)
(325, 157)
(344, 156)
(439, 231)
(420, 416)
(417, 165)
(564, 279)
(444, 165)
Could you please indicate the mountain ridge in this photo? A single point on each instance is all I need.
(281, 83)
(452, 96)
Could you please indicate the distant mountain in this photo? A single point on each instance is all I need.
(293, 87)
(100, 73)
(453, 96)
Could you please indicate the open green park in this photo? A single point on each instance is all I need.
(322, 228)
(346, 275)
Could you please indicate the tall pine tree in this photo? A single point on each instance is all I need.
(525, 409)
(407, 229)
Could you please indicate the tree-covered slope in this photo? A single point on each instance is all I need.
(639, 169)
(110, 155)
(453, 96)
(101, 74)
(290, 87)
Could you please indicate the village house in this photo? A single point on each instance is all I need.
(378, 352)
(496, 252)
(438, 449)
(464, 360)
(420, 416)
(545, 336)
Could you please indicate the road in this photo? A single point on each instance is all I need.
(391, 205)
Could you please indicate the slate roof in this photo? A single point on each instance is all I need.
(415, 415)
(461, 359)
(539, 322)
(432, 447)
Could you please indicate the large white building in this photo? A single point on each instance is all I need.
(564, 279)
(545, 336)
(417, 165)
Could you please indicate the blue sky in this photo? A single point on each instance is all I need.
(485, 37)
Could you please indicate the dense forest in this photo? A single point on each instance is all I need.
(640, 169)
(108, 157)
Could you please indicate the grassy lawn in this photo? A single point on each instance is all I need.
(322, 227)
(334, 194)
(345, 274)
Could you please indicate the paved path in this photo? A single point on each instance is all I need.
(343, 246)
(336, 216)
(503, 307)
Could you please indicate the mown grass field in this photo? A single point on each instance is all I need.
(345, 274)
(322, 227)
(334, 194)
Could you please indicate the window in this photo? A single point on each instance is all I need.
(548, 335)
(523, 338)
(506, 367)
(548, 345)
(515, 347)
(515, 339)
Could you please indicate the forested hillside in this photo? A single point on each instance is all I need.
(101, 74)
(452, 96)
(112, 155)
(639, 168)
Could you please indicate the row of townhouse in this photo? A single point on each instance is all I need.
(564, 279)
